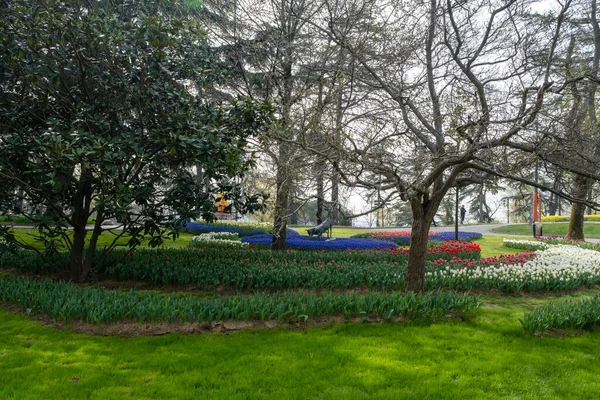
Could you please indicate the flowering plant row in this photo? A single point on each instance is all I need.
(531, 245)
(378, 234)
(208, 268)
(452, 248)
(65, 301)
(559, 267)
(199, 227)
(219, 239)
(582, 314)
(314, 243)
(567, 240)
(239, 228)
(561, 218)
(402, 238)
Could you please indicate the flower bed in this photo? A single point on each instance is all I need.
(402, 238)
(314, 243)
(566, 218)
(218, 239)
(261, 269)
(240, 229)
(531, 245)
(582, 314)
(559, 267)
(451, 249)
(65, 301)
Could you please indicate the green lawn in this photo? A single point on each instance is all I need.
(28, 236)
(492, 246)
(487, 357)
(591, 230)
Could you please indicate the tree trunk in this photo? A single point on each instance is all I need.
(335, 197)
(89, 258)
(320, 174)
(284, 169)
(76, 265)
(337, 140)
(580, 189)
(79, 267)
(415, 274)
(282, 200)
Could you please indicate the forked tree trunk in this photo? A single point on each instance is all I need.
(423, 214)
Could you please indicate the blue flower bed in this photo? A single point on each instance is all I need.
(198, 227)
(442, 237)
(314, 243)
(462, 236)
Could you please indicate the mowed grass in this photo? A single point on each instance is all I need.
(491, 246)
(106, 238)
(486, 357)
(590, 229)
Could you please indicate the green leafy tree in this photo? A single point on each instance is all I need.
(104, 112)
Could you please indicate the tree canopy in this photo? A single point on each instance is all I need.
(106, 112)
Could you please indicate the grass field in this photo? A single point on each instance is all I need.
(486, 357)
(590, 230)
(28, 236)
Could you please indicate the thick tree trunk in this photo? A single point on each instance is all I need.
(415, 274)
(580, 190)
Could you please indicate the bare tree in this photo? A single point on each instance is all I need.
(464, 91)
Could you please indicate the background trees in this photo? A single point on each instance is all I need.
(467, 81)
(104, 113)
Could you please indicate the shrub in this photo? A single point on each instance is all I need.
(15, 219)
(582, 314)
(66, 301)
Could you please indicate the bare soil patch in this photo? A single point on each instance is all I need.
(136, 329)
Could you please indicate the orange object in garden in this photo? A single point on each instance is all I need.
(537, 207)
(221, 202)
